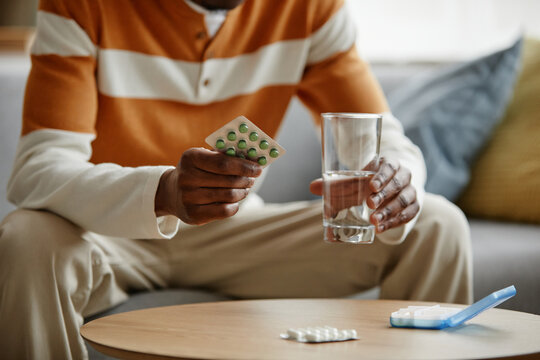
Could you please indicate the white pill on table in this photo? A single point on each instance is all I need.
(314, 337)
(321, 334)
(295, 333)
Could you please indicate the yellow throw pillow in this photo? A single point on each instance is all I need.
(505, 180)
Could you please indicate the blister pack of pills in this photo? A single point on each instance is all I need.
(319, 334)
(243, 139)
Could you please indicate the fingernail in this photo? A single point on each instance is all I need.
(376, 184)
(378, 217)
(376, 199)
(380, 228)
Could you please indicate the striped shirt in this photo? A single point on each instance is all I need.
(120, 89)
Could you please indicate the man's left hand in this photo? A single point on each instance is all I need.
(393, 197)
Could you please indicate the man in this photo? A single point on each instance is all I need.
(119, 91)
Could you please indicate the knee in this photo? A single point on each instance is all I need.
(448, 225)
(33, 239)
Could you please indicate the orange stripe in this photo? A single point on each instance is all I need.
(60, 94)
(323, 12)
(166, 28)
(247, 29)
(134, 132)
(339, 84)
(170, 28)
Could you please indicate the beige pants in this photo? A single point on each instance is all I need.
(53, 274)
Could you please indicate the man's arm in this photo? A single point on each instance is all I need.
(52, 169)
(52, 172)
(337, 80)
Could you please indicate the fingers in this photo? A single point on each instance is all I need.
(397, 211)
(199, 206)
(390, 192)
(196, 178)
(316, 187)
(209, 185)
(393, 180)
(402, 218)
(338, 187)
(217, 163)
(205, 196)
(341, 193)
(335, 202)
(387, 170)
(202, 214)
(393, 198)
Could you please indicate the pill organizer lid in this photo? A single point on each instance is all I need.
(457, 318)
(484, 304)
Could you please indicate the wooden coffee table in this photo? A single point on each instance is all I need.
(250, 330)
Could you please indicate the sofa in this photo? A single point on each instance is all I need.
(505, 252)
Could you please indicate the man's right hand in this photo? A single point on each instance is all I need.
(205, 186)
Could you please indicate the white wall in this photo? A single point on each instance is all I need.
(440, 30)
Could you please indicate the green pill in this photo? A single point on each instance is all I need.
(243, 128)
(231, 136)
(252, 152)
(242, 144)
(230, 152)
(253, 136)
(220, 144)
(264, 144)
(274, 153)
(262, 160)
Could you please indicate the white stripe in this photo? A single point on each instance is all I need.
(61, 36)
(128, 74)
(336, 35)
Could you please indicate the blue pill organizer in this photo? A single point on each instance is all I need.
(438, 317)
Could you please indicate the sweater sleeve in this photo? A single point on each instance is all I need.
(52, 169)
(336, 79)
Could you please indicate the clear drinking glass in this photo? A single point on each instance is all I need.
(350, 158)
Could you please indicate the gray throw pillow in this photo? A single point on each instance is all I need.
(450, 115)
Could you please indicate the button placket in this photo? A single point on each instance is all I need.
(205, 78)
(201, 35)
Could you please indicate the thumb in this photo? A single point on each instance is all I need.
(316, 187)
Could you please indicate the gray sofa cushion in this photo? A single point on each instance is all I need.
(451, 115)
(507, 254)
(167, 297)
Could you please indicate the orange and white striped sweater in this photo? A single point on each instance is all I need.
(120, 89)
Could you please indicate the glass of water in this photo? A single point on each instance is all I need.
(350, 158)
